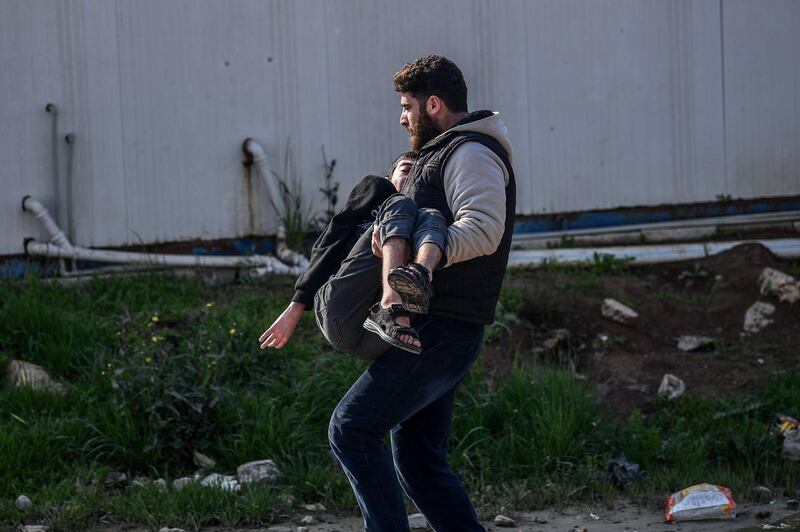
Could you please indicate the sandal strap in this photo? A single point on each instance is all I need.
(420, 271)
(397, 310)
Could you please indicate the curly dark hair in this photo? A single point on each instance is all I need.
(406, 156)
(434, 75)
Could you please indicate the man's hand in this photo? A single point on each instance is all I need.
(279, 332)
(376, 242)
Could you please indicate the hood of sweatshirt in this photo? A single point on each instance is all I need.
(491, 125)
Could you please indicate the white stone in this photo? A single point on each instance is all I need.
(503, 521)
(257, 471)
(417, 522)
(781, 285)
(280, 528)
(180, 483)
(19, 373)
(308, 520)
(693, 343)
(302, 529)
(557, 338)
(287, 499)
(160, 483)
(316, 507)
(755, 318)
(115, 478)
(791, 445)
(224, 482)
(35, 528)
(168, 529)
(671, 387)
(202, 461)
(616, 311)
(24, 503)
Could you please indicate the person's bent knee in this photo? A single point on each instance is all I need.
(398, 204)
(432, 218)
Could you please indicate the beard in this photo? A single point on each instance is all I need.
(425, 131)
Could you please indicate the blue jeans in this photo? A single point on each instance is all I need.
(410, 396)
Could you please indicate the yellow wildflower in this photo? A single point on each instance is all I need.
(209, 305)
(148, 360)
(154, 339)
(154, 319)
(232, 331)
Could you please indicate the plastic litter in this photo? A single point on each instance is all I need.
(671, 387)
(783, 424)
(624, 473)
(701, 501)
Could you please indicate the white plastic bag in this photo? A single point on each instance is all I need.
(701, 501)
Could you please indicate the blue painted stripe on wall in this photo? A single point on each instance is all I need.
(597, 219)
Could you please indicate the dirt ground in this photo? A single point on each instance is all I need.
(624, 517)
(707, 297)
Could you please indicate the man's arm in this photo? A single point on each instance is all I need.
(475, 181)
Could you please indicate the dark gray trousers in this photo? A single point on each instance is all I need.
(342, 304)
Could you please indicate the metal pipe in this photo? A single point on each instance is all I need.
(60, 247)
(53, 111)
(69, 138)
(256, 153)
(54, 232)
(786, 248)
(268, 264)
(635, 232)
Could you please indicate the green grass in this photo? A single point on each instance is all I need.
(157, 367)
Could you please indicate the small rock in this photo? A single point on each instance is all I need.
(160, 483)
(791, 446)
(693, 343)
(115, 478)
(756, 319)
(616, 311)
(224, 482)
(35, 528)
(202, 461)
(558, 337)
(308, 520)
(760, 361)
(762, 493)
(417, 522)
(139, 482)
(316, 507)
(302, 529)
(19, 373)
(24, 503)
(180, 483)
(502, 520)
(168, 529)
(257, 471)
(671, 387)
(781, 285)
(288, 500)
(792, 503)
(280, 529)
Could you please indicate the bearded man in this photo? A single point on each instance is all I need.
(464, 171)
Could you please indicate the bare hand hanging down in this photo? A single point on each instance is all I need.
(282, 329)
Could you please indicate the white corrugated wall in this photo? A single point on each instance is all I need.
(609, 104)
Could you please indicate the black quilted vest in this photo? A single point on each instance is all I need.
(468, 290)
